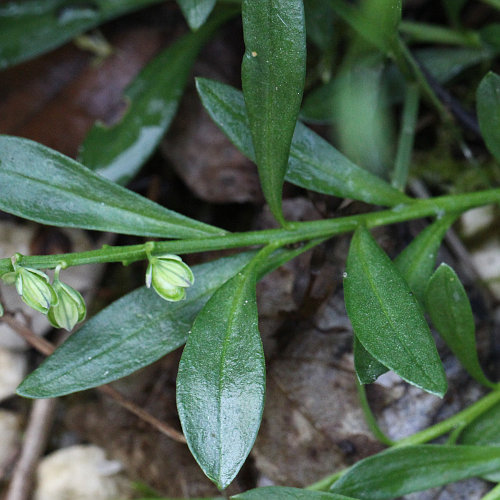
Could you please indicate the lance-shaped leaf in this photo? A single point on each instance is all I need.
(387, 318)
(196, 11)
(221, 380)
(450, 311)
(40, 184)
(29, 28)
(118, 152)
(416, 262)
(488, 112)
(400, 471)
(284, 493)
(273, 73)
(131, 333)
(313, 163)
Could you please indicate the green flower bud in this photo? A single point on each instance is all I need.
(169, 276)
(34, 288)
(70, 307)
(1, 310)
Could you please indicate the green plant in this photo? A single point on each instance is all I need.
(212, 308)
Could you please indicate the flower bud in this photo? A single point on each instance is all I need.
(34, 288)
(1, 310)
(169, 277)
(69, 309)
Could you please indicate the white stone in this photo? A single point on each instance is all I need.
(12, 372)
(80, 473)
(475, 220)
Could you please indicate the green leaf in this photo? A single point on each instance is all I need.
(40, 184)
(450, 311)
(416, 262)
(196, 11)
(399, 471)
(484, 431)
(221, 380)
(30, 28)
(375, 20)
(387, 318)
(283, 493)
(363, 122)
(488, 112)
(445, 63)
(273, 74)
(118, 152)
(131, 333)
(368, 369)
(313, 163)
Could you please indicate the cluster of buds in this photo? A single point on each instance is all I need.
(62, 304)
(170, 276)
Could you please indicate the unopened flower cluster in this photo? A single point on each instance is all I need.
(62, 304)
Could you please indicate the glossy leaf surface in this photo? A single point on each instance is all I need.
(400, 471)
(284, 493)
(273, 73)
(450, 311)
(196, 11)
(488, 112)
(387, 318)
(416, 262)
(51, 23)
(368, 369)
(131, 333)
(118, 152)
(221, 380)
(313, 163)
(40, 184)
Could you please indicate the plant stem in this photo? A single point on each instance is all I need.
(406, 136)
(462, 418)
(370, 417)
(296, 232)
(431, 33)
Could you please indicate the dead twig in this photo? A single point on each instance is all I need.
(48, 348)
(37, 432)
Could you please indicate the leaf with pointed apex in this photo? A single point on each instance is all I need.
(416, 262)
(488, 112)
(399, 471)
(52, 23)
(387, 318)
(62, 192)
(450, 311)
(284, 493)
(313, 163)
(221, 380)
(131, 333)
(368, 369)
(118, 152)
(273, 74)
(196, 12)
